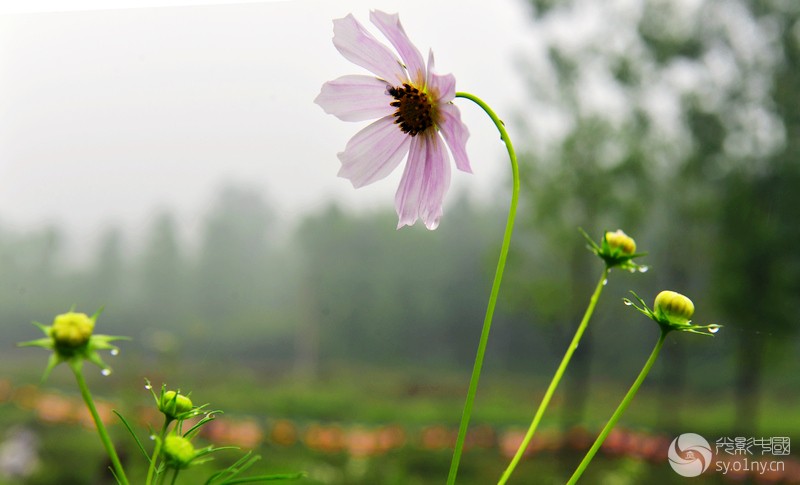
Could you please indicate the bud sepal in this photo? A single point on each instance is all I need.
(174, 404)
(673, 311)
(617, 250)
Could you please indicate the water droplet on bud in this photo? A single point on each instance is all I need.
(152, 437)
(643, 269)
(106, 371)
(148, 386)
(605, 282)
(114, 352)
(627, 301)
(713, 329)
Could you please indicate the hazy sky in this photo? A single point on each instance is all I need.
(110, 115)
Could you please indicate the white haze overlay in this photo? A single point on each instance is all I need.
(111, 116)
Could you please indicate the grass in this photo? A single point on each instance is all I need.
(365, 396)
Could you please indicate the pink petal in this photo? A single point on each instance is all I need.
(373, 152)
(360, 47)
(435, 182)
(443, 87)
(455, 133)
(355, 98)
(424, 183)
(406, 200)
(390, 25)
(431, 65)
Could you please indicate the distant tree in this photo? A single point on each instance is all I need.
(233, 269)
(107, 272)
(757, 266)
(594, 172)
(706, 96)
(377, 294)
(32, 273)
(164, 282)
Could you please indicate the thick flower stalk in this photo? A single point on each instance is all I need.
(415, 117)
(673, 311)
(616, 249)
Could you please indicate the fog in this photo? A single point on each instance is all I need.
(114, 115)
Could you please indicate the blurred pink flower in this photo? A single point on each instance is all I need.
(414, 108)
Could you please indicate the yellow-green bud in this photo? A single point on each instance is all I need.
(674, 307)
(174, 404)
(71, 330)
(178, 451)
(622, 241)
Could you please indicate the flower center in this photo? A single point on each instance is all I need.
(414, 109)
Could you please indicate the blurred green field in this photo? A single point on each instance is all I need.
(333, 428)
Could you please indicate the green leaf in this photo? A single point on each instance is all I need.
(241, 465)
(130, 430)
(207, 418)
(265, 478)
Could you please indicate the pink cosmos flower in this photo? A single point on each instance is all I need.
(415, 116)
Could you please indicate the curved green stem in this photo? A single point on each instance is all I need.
(556, 377)
(498, 277)
(620, 409)
(157, 451)
(101, 429)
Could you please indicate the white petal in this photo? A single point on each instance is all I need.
(390, 25)
(360, 47)
(373, 152)
(455, 133)
(355, 98)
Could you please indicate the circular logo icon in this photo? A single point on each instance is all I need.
(689, 455)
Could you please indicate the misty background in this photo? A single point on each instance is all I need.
(169, 165)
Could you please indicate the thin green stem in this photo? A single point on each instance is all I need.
(157, 451)
(551, 389)
(498, 277)
(620, 409)
(174, 477)
(101, 429)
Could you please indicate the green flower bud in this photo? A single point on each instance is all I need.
(72, 340)
(174, 404)
(617, 250)
(673, 307)
(179, 451)
(71, 330)
(673, 311)
(621, 241)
